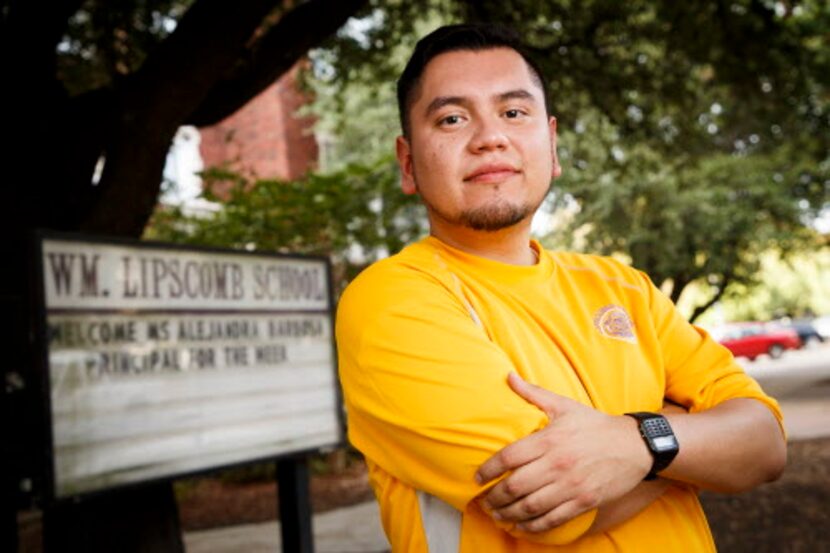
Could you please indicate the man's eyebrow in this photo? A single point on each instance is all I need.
(518, 94)
(442, 101)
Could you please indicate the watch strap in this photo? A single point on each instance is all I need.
(654, 426)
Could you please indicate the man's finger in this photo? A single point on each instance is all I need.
(557, 517)
(519, 483)
(533, 505)
(513, 456)
(541, 398)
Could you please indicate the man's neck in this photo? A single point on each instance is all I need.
(510, 245)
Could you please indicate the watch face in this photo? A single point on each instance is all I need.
(663, 443)
(658, 435)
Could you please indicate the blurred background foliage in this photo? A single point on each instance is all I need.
(354, 215)
(694, 138)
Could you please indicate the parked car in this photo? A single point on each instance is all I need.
(753, 339)
(822, 325)
(807, 333)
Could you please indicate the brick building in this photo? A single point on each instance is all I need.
(266, 138)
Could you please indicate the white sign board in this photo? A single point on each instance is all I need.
(164, 361)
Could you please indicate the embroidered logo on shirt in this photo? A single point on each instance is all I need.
(613, 321)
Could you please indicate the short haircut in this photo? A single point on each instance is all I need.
(451, 38)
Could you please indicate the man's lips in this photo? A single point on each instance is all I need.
(491, 173)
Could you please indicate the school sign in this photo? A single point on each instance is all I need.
(161, 361)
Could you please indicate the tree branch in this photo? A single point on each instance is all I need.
(700, 309)
(150, 104)
(179, 76)
(286, 42)
(679, 284)
(204, 46)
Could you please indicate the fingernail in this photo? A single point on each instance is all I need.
(496, 516)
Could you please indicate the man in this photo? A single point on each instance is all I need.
(487, 381)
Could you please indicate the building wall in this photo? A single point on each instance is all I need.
(265, 139)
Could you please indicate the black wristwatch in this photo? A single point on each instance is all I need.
(660, 439)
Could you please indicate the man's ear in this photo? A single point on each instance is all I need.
(556, 169)
(404, 155)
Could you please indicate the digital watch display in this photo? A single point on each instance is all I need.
(659, 438)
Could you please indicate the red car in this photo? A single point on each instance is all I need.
(754, 339)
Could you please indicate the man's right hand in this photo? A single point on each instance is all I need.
(582, 459)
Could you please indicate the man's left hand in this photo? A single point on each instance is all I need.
(581, 460)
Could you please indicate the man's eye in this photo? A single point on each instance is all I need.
(513, 113)
(450, 120)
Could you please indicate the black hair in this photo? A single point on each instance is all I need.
(470, 36)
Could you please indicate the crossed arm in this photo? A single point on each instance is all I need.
(585, 459)
(427, 401)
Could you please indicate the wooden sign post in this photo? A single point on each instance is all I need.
(161, 361)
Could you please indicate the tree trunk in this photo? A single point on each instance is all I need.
(126, 199)
(54, 143)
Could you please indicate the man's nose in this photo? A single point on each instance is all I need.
(489, 135)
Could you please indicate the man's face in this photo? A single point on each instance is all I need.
(481, 151)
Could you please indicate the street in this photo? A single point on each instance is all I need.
(793, 372)
(800, 381)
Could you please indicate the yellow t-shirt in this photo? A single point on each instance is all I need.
(426, 339)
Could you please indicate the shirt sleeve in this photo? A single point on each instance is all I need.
(700, 372)
(426, 390)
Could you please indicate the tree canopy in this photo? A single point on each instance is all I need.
(694, 135)
(653, 68)
(640, 88)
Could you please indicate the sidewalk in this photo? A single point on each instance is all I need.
(357, 529)
(353, 529)
(806, 419)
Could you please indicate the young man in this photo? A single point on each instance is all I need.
(506, 397)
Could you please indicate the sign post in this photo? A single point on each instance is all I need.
(295, 505)
(161, 361)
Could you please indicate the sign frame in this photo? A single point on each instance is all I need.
(47, 486)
